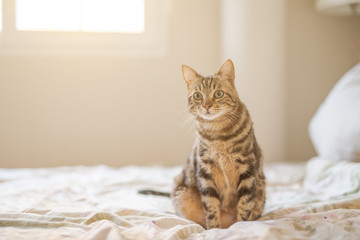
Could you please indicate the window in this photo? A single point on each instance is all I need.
(120, 27)
(80, 15)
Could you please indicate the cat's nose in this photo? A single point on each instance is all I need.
(208, 105)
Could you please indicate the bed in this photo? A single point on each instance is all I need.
(316, 199)
(319, 199)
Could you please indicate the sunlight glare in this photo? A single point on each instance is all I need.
(81, 15)
(113, 16)
(47, 15)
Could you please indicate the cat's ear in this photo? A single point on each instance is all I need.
(189, 74)
(227, 71)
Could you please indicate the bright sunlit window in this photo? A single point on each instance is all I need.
(84, 27)
(80, 15)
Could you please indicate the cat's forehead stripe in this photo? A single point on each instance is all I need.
(203, 81)
(211, 82)
(207, 82)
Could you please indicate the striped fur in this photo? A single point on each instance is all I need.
(222, 180)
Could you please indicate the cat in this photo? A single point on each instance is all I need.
(222, 180)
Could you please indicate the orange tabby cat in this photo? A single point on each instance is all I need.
(222, 181)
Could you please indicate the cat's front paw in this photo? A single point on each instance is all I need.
(212, 221)
(213, 226)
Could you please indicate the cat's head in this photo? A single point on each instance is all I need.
(211, 97)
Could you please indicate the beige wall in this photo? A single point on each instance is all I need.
(254, 36)
(106, 110)
(288, 57)
(317, 56)
(117, 111)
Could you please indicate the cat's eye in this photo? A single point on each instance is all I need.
(219, 94)
(197, 96)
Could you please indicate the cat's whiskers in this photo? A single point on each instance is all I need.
(188, 121)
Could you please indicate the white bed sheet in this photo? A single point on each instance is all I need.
(319, 199)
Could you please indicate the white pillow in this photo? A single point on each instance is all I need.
(335, 128)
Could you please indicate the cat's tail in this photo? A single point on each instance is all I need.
(152, 192)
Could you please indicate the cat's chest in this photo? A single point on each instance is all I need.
(225, 173)
(225, 177)
(221, 164)
(224, 167)
(220, 153)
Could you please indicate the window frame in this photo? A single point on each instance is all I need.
(151, 42)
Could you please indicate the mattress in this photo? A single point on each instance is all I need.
(318, 199)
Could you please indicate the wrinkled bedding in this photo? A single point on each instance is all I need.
(319, 199)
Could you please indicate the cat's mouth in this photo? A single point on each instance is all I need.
(210, 116)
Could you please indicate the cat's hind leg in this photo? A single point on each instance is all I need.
(259, 200)
(187, 203)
